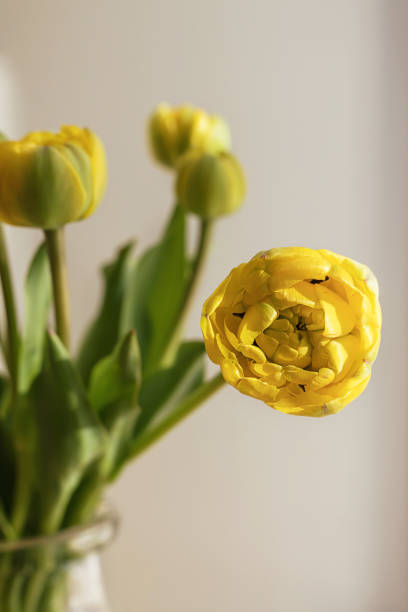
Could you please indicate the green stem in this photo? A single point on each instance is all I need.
(37, 582)
(6, 527)
(14, 603)
(11, 313)
(186, 407)
(21, 495)
(56, 254)
(204, 242)
(206, 229)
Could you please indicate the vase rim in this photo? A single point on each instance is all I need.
(91, 535)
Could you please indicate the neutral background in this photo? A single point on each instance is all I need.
(242, 508)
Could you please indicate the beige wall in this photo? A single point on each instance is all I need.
(243, 509)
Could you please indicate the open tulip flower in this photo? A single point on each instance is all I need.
(296, 328)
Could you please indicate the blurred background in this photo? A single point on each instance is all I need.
(242, 508)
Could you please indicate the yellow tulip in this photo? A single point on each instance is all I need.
(174, 131)
(210, 185)
(296, 328)
(48, 180)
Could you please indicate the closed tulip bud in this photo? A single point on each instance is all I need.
(175, 131)
(210, 185)
(48, 180)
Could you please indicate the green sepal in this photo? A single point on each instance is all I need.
(104, 332)
(162, 392)
(156, 291)
(38, 294)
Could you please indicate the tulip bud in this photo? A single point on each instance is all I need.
(210, 185)
(175, 131)
(48, 180)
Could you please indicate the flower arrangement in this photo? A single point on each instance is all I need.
(296, 328)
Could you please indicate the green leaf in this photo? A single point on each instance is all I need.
(38, 294)
(156, 291)
(162, 392)
(116, 376)
(104, 332)
(134, 314)
(68, 435)
(113, 392)
(168, 288)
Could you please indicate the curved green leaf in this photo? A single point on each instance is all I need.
(113, 392)
(38, 293)
(68, 435)
(104, 332)
(156, 291)
(162, 392)
(118, 375)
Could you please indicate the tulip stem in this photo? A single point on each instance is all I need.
(204, 241)
(186, 407)
(56, 253)
(11, 313)
(206, 230)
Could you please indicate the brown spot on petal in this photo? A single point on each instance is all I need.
(316, 281)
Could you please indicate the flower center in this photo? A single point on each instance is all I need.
(299, 337)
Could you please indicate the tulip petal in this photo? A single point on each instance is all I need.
(256, 319)
(339, 317)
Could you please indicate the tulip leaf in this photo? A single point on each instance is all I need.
(114, 389)
(113, 393)
(156, 292)
(163, 391)
(116, 376)
(168, 288)
(22, 433)
(38, 293)
(68, 435)
(104, 332)
(134, 314)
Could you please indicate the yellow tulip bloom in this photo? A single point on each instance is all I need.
(48, 180)
(174, 131)
(296, 328)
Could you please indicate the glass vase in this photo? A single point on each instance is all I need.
(57, 573)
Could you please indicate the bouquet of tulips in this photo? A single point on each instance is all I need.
(293, 327)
